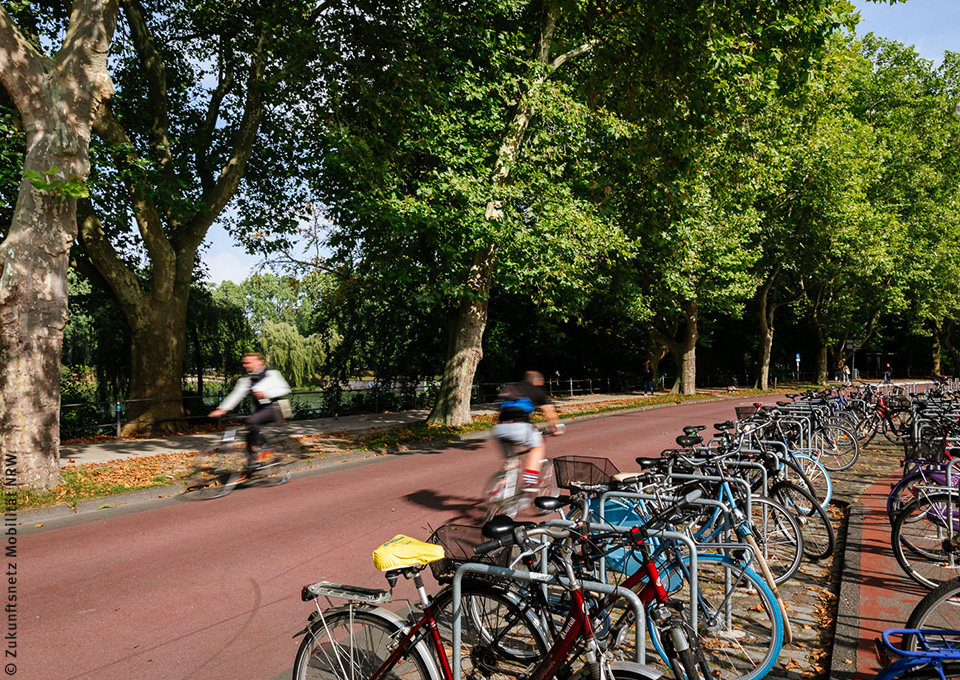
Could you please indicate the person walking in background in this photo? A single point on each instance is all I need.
(846, 374)
(887, 374)
(647, 378)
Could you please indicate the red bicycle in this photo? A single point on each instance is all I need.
(500, 636)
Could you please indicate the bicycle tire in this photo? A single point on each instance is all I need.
(839, 448)
(746, 644)
(779, 536)
(812, 475)
(215, 472)
(501, 636)
(918, 539)
(503, 495)
(870, 424)
(351, 644)
(896, 425)
(620, 670)
(901, 493)
(939, 609)
(819, 536)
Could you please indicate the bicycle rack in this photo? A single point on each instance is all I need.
(544, 579)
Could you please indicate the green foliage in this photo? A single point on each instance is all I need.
(298, 358)
(72, 187)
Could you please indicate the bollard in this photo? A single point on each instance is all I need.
(118, 419)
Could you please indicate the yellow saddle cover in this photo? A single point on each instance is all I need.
(402, 551)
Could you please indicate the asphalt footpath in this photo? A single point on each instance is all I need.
(872, 593)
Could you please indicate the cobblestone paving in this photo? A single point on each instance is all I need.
(812, 595)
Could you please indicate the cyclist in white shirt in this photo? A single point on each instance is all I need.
(267, 387)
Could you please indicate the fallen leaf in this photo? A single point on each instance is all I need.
(38, 525)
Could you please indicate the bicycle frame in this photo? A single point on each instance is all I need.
(937, 646)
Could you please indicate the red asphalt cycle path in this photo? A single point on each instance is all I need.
(211, 589)
(887, 595)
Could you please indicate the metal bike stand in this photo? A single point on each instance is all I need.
(663, 534)
(794, 415)
(537, 577)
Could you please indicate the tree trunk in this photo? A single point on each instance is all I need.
(465, 347)
(33, 312)
(946, 339)
(935, 349)
(822, 366)
(688, 350)
(156, 368)
(57, 98)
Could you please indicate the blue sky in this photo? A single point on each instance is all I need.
(931, 26)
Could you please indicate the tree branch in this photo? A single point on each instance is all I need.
(148, 219)
(191, 235)
(156, 85)
(112, 269)
(21, 67)
(225, 81)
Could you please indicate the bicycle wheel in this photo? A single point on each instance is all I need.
(502, 494)
(897, 425)
(548, 480)
(939, 609)
(214, 473)
(901, 493)
(500, 635)
(819, 537)
(273, 473)
(838, 446)
(810, 474)
(926, 550)
(354, 644)
(739, 624)
(778, 534)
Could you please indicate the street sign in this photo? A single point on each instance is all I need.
(850, 344)
(798, 357)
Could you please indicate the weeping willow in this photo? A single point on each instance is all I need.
(297, 357)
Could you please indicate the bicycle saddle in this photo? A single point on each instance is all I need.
(552, 502)
(687, 441)
(693, 429)
(503, 525)
(401, 552)
(647, 463)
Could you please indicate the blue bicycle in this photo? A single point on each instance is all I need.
(935, 654)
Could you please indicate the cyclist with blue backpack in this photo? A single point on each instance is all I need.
(519, 401)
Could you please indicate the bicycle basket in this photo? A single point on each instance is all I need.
(745, 411)
(574, 472)
(458, 541)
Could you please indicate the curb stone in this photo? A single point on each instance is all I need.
(846, 632)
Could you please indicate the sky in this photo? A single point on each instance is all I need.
(931, 26)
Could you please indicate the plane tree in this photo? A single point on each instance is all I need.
(461, 140)
(57, 86)
(204, 118)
